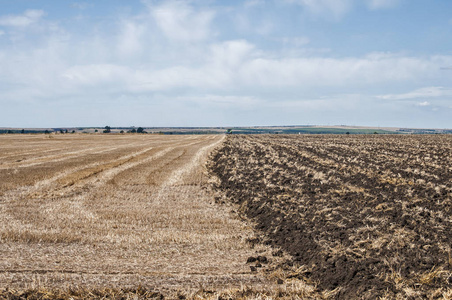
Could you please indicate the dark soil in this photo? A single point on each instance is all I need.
(367, 214)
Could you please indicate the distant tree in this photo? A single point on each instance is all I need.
(95, 130)
(9, 131)
(47, 132)
(73, 131)
(61, 131)
(375, 132)
(107, 129)
(140, 130)
(66, 131)
(347, 132)
(133, 130)
(22, 131)
(122, 131)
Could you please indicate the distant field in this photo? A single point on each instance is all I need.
(133, 214)
(362, 216)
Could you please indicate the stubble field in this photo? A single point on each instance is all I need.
(98, 215)
(362, 216)
(147, 216)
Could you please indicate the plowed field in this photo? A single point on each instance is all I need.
(119, 212)
(362, 216)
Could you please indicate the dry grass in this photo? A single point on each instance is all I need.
(112, 213)
(291, 291)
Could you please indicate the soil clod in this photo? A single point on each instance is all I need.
(251, 259)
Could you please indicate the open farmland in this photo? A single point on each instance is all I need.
(362, 216)
(101, 215)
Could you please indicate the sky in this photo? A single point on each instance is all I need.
(69, 63)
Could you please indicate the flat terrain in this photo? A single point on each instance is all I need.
(119, 211)
(151, 216)
(362, 216)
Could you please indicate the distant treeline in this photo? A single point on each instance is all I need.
(23, 131)
(223, 130)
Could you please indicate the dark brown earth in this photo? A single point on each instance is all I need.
(369, 216)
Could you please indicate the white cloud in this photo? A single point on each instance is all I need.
(27, 18)
(144, 61)
(338, 8)
(239, 65)
(426, 92)
(98, 74)
(318, 71)
(224, 101)
(296, 41)
(181, 22)
(425, 103)
(231, 53)
(329, 103)
(130, 38)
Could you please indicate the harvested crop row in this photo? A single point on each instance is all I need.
(121, 213)
(363, 215)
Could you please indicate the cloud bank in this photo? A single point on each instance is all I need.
(181, 56)
(28, 18)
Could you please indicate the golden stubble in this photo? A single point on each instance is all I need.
(116, 211)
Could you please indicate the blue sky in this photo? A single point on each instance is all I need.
(226, 63)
